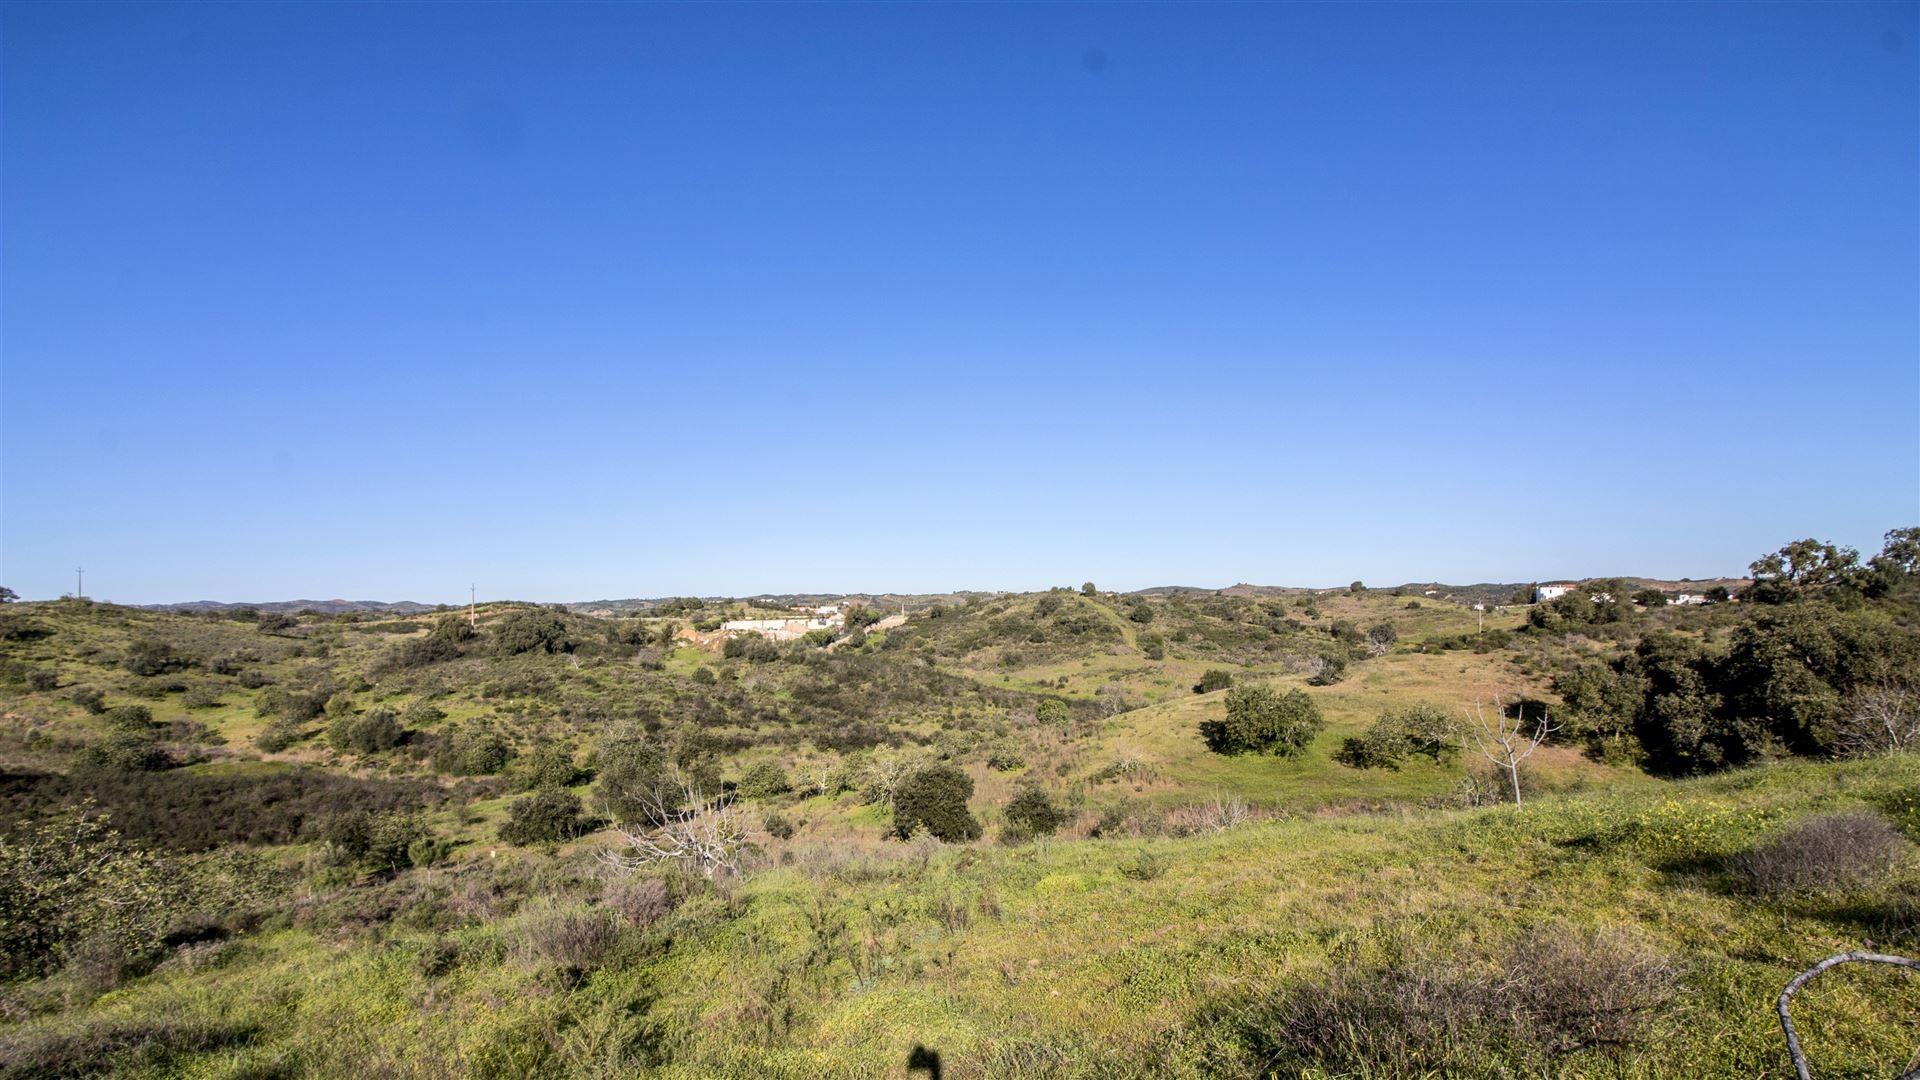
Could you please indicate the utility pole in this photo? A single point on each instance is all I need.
(79, 583)
(473, 610)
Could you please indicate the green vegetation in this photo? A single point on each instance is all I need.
(1008, 831)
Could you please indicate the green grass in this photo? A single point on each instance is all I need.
(1055, 952)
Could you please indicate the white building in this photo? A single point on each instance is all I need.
(1687, 598)
(1544, 593)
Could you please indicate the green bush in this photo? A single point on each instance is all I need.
(93, 701)
(778, 827)
(368, 733)
(1422, 729)
(528, 630)
(43, 680)
(130, 718)
(1031, 813)
(1053, 713)
(1213, 679)
(763, 781)
(935, 799)
(1260, 721)
(547, 816)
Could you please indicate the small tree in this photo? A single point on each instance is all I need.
(1031, 813)
(1088, 590)
(532, 630)
(1213, 679)
(935, 799)
(8, 596)
(1503, 736)
(1053, 713)
(547, 816)
(1381, 638)
(1261, 721)
(763, 781)
(1357, 587)
(709, 836)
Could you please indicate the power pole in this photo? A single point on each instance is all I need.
(79, 583)
(473, 610)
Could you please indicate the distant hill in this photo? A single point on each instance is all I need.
(331, 607)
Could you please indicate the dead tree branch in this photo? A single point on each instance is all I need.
(1786, 1021)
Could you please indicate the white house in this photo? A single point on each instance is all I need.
(1544, 593)
(1687, 598)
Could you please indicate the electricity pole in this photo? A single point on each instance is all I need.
(473, 610)
(79, 583)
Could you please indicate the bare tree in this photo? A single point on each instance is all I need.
(886, 771)
(1882, 718)
(709, 835)
(1502, 735)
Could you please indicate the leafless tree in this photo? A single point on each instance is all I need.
(1882, 718)
(710, 834)
(1501, 733)
(885, 772)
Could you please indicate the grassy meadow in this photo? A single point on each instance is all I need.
(1184, 913)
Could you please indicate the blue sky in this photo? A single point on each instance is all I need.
(585, 301)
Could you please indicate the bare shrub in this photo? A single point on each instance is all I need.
(1558, 991)
(641, 901)
(571, 938)
(1597, 988)
(1223, 812)
(1847, 850)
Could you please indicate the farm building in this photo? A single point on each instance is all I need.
(1544, 593)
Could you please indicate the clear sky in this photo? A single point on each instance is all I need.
(573, 301)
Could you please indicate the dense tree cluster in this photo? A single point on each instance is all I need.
(1785, 680)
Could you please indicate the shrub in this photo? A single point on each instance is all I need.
(1031, 814)
(1557, 991)
(1421, 729)
(1053, 713)
(574, 939)
(531, 630)
(777, 826)
(1847, 850)
(1262, 721)
(1381, 638)
(550, 765)
(633, 782)
(125, 751)
(463, 752)
(1214, 679)
(70, 879)
(547, 816)
(763, 781)
(93, 701)
(376, 842)
(296, 707)
(935, 799)
(370, 733)
(43, 679)
(203, 696)
(640, 901)
(151, 656)
(279, 735)
(130, 718)
(1327, 669)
